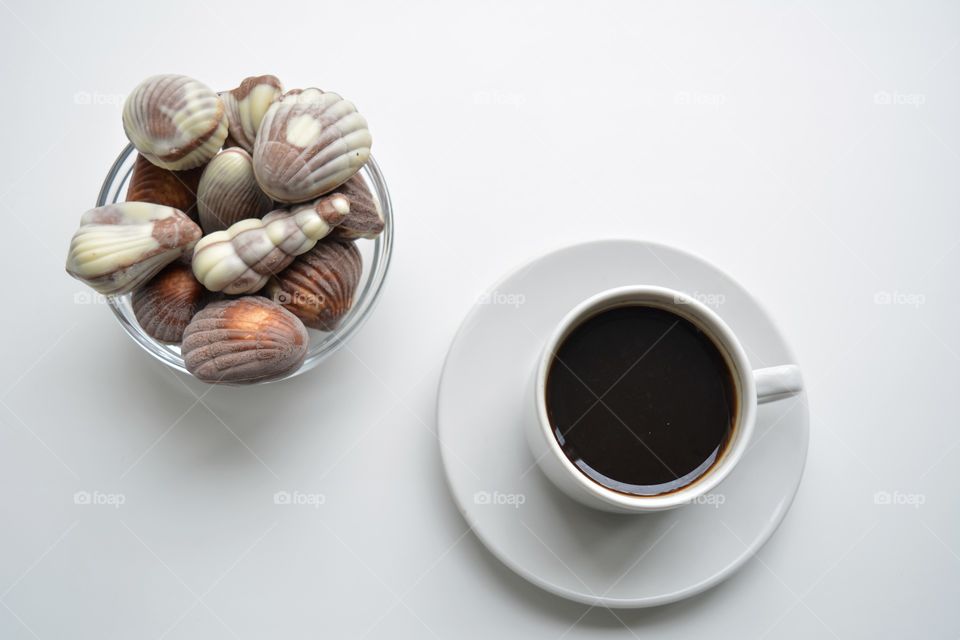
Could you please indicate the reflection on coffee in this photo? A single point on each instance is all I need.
(641, 400)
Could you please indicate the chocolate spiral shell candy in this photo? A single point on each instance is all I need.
(318, 286)
(176, 122)
(120, 246)
(246, 105)
(365, 219)
(165, 305)
(228, 191)
(177, 189)
(309, 143)
(244, 340)
(241, 259)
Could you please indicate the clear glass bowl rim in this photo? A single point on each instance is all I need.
(365, 298)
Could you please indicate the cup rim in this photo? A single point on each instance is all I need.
(726, 341)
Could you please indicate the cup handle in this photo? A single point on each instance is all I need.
(776, 383)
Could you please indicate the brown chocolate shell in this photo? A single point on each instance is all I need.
(166, 304)
(177, 189)
(242, 341)
(365, 219)
(318, 286)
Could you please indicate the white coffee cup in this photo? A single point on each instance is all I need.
(751, 386)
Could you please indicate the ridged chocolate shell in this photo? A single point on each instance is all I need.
(176, 122)
(318, 286)
(166, 304)
(246, 105)
(244, 340)
(228, 191)
(309, 143)
(365, 219)
(121, 246)
(177, 189)
(241, 258)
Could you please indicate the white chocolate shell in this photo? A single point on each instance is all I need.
(243, 341)
(174, 121)
(246, 105)
(228, 191)
(309, 143)
(241, 259)
(119, 247)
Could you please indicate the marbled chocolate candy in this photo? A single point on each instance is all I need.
(309, 143)
(176, 122)
(165, 305)
(318, 286)
(240, 259)
(229, 193)
(177, 189)
(246, 105)
(119, 247)
(365, 219)
(244, 340)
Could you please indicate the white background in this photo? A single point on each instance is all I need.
(752, 134)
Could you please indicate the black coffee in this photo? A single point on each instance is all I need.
(640, 400)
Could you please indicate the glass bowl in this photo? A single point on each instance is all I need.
(376, 261)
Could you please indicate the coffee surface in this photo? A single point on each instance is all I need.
(640, 400)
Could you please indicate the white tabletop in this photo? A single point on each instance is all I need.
(810, 150)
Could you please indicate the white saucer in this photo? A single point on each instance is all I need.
(576, 552)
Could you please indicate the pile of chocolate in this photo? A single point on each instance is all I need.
(239, 224)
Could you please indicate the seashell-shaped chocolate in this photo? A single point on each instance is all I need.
(246, 105)
(241, 259)
(244, 340)
(318, 286)
(166, 304)
(365, 219)
(120, 246)
(228, 191)
(177, 189)
(176, 122)
(309, 143)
